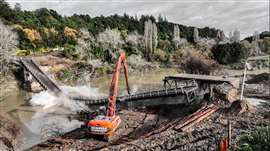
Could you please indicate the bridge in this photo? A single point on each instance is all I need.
(40, 76)
(177, 89)
(184, 94)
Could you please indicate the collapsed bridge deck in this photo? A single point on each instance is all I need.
(177, 89)
(31, 67)
(181, 95)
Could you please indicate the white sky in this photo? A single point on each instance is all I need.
(246, 15)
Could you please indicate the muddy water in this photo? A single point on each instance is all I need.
(142, 81)
(45, 115)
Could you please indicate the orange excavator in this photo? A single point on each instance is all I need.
(107, 124)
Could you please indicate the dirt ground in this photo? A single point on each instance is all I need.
(135, 131)
(10, 134)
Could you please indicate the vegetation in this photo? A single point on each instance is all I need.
(195, 62)
(82, 37)
(256, 140)
(229, 53)
(46, 29)
(8, 42)
(261, 36)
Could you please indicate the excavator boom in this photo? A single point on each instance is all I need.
(114, 84)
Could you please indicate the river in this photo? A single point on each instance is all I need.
(42, 115)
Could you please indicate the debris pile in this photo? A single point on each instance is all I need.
(258, 86)
(226, 92)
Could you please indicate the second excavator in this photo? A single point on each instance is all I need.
(107, 124)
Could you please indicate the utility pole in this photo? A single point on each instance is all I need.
(229, 133)
(243, 82)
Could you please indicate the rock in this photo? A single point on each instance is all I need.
(241, 106)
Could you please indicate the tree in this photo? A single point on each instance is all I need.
(176, 35)
(150, 38)
(229, 53)
(220, 35)
(196, 37)
(85, 45)
(109, 40)
(6, 13)
(155, 37)
(236, 36)
(8, 42)
(195, 62)
(17, 7)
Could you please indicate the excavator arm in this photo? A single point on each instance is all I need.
(115, 83)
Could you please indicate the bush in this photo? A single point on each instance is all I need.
(229, 53)
(66, 74)
(257, 140)
(160, 55)
(23, 52)
(195, 62)
(69, 52)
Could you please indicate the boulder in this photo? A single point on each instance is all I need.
(241, 106)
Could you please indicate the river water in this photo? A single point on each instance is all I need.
(42, 115)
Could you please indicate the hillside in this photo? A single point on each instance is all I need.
(44, 28)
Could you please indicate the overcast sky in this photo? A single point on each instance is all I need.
(246, 15)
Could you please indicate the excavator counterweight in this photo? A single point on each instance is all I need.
(107, 124)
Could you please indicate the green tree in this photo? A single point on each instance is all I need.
(229, 53)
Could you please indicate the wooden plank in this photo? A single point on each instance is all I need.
(193, 117)
(207, 114)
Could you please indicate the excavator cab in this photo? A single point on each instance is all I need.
(104, 125)
(107, 124)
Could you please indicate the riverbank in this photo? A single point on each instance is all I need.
(36, 112)
(31, 117)
(135, 131)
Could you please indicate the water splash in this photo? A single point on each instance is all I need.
(51, 113)
(47, 99)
